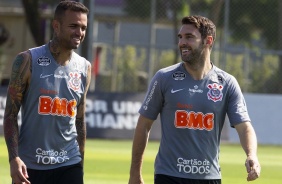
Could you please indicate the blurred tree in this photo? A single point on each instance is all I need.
(259, 20)
(129, 68)
(4, 34)
(173, 11)
(263, 23)
(36, 22)
(263, 74)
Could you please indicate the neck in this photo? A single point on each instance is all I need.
(198, 70)
(61, 56)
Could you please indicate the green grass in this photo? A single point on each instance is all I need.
(108, 162)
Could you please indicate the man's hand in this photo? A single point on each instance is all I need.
(136, 180)
(253, 168)
(18, 171)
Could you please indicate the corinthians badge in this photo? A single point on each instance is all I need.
(215, 92)
(75, 81)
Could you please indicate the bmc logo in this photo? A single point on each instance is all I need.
(56, 106)
(193, 120)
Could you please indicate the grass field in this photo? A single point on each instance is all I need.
(108, 162)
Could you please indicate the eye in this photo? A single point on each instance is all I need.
(189, 37)
(72, 26)
(84, 28)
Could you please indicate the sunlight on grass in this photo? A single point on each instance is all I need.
(108, 162)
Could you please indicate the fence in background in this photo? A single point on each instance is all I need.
(130, 40)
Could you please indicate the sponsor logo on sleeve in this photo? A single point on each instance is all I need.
(150, 96)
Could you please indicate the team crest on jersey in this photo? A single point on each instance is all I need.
(215, 92)
(43, 61)
(178, 75)
(75, 81)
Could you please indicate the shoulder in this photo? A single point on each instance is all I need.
(229, 81)
(21, 68)
(38, 50)
(224, 76)
(169, 71)
(22, 58)
(83, 63)
(79, 58)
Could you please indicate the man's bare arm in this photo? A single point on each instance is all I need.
(80, 122)
(248, 141)
(140, 141)
(18, 84)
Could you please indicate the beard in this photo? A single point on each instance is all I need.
(195, 56)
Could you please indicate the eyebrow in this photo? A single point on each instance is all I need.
(187, 34)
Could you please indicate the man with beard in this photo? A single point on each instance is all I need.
(193, 98)
(49, 83)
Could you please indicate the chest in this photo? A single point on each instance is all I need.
(198, 96)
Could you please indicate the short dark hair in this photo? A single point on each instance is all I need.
(205, 26)
(63, 6)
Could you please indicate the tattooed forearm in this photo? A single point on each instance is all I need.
(80, 123)
(11, 134)
(81, 136)
(17, 86)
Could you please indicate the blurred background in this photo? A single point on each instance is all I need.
(127, 41)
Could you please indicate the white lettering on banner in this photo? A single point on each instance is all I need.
(111, 121)
(124, 114)
(193, 166)
(2, 102)
(96, 106)
(2, 109)
(125, 107)
(1, 116)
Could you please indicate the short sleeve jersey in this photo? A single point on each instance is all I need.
(48, 132)
(192, 114)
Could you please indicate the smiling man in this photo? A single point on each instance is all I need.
(49, 84)
(193, 98)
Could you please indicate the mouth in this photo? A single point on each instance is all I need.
(77, 40)
(185, 51)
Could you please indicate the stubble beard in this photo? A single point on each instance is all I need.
(195, 57)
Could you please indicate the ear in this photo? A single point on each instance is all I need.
(55, 25)
(209, 40)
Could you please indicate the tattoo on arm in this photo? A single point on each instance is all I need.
(80, 122)
(16, 89)
(81, 135)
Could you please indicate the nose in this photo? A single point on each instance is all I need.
(181, 42)
(79, 31)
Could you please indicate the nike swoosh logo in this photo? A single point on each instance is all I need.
(174, 91)
(44, 76)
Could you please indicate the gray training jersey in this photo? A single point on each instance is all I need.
(48, 132)
(192, 114)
